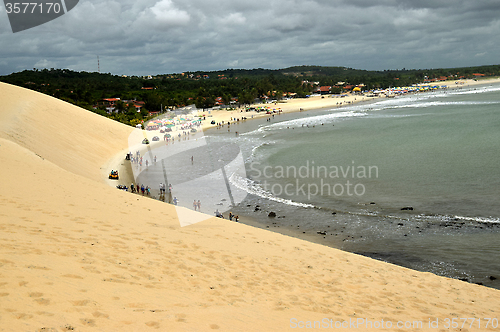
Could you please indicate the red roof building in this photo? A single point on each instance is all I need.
(326, 89)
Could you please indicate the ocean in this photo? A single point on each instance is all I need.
(412, 180)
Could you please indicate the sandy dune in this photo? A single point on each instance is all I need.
(79, 255)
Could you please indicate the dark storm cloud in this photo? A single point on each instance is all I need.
(164, 36)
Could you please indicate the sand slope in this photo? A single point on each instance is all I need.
(76, 254)
(72, 138)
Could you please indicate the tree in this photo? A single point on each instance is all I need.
(120, 106)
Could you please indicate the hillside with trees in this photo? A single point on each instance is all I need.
(143, 97)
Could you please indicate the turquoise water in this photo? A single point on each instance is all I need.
(437, 153)
(413, 180)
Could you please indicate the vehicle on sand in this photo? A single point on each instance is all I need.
(113, 175)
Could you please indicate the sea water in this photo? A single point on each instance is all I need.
(412, 180)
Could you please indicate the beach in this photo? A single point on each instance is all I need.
(318, 102)
(76, 254)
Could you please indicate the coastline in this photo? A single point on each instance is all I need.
(322, 234)
(318, 103)
(317, 234)
(77, 254)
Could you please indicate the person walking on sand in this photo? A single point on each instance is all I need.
(175, 200)
(199, 205)
(142, 189)
(195, 205)
(132, 188)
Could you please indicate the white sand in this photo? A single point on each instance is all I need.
(77, 254)
(321, 102)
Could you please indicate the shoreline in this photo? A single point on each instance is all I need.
(319, 103)
(312, 104)
(312, 234)
(317, 234)
(77, 254)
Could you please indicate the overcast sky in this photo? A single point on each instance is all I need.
(149, 37)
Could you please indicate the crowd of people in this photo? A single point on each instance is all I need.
(164, 190)
(231, 216)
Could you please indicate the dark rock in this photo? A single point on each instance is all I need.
(257, 209)
(372, 203)
(400, 224)
(322, 232)
(408, 208)
(271, 214)
(334, 212)
(463, 279)
(493, 278)
(479, 283)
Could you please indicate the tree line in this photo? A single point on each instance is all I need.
(205, 89)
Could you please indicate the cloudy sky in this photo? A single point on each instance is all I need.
(148, 37)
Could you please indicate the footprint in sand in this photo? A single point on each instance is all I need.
(88, 322)
(42, 301)
(98, 314)
(80, 303)
(154, 325)
(23, 316)
(44, 313)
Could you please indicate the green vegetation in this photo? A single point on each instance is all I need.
(206, 89)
